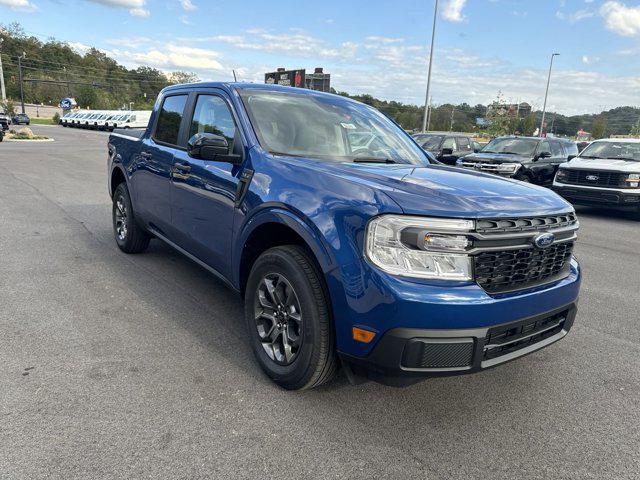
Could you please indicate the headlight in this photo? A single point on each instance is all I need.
(420, 247)
(633, 180)
(561, 175)
(508, 167)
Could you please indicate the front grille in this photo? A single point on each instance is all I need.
(597, 178)
(507, 225)
(506, 339)
(504, 271)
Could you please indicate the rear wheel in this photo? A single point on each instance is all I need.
(129, 235)
(288, 319)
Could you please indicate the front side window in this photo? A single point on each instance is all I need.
(450, 143)
(328, 128)
(212, 115)
(169, 119)
(556, 149)
(432, 143)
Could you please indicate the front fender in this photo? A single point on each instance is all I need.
(279, 214)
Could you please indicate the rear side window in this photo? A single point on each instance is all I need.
(571, 148)
(463, 143)
(169, 119)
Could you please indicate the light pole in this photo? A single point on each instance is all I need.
(3, 92)
(24, 55)
(546, 94)
(426, 102)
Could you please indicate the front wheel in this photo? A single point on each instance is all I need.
(129, 235)
(288, 319)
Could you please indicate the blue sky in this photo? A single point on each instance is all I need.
(377, 47)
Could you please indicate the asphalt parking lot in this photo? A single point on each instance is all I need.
(117, 366)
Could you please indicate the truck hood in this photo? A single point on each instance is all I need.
(603, 164)
(455, 192)
(496, 158)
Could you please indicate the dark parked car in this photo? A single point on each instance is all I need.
(530, 159)
(447, 147)
(4, 121)
(21, 119)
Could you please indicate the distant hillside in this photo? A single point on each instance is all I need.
(54, 70)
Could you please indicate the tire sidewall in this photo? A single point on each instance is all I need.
(122, 191)
(300, 371)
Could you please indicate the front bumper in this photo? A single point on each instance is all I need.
(407, 355)
(593, 196)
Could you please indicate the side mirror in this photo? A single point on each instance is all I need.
(446, 151)
(209, 146)
(571, 157)
(544, 155)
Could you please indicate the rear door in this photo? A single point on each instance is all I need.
(558, 156)
(151, 175)
(204, 190)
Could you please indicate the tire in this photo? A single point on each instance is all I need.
(311, 358)
(129, 235)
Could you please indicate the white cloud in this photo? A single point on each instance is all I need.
(388, 70)
(19, 5)
(452, 10)
(188, 5)
(621, 19)
(135, 7)
(79, 47)
(172, 57)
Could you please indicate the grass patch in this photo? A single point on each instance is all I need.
(42, 121)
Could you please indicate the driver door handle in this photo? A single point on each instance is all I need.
(183, 167)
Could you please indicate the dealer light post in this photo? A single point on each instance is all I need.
(546, 94)
(427, 106)
(3, 92)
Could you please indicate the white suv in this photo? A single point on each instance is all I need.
(607, 172)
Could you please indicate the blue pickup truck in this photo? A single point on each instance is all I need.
(348, 245)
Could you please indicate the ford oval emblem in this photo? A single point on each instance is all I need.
(544, 240)
(592, 178)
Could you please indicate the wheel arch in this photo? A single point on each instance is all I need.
(273, 228)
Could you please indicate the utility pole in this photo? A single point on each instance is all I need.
(21, 82)
(3, 92)
(453, 109)
(546, 94)
(426, 102)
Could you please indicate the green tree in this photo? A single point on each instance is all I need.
(635, 130)
(599, 127)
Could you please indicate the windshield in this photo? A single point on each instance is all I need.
(328, 128)
(613, 150)
(516, 146)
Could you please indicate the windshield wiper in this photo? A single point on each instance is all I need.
(374, 160)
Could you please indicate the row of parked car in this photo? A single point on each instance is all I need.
(106, 119)
(603, 172)
(17, 119)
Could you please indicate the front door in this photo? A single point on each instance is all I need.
(204, 190)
